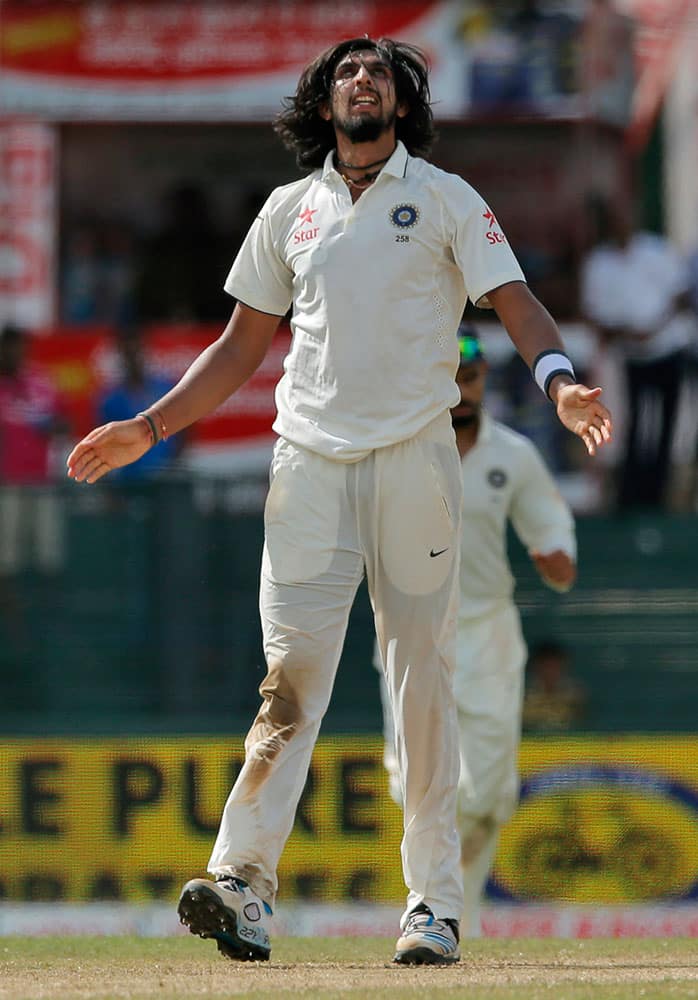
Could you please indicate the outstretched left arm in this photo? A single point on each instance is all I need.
(532, 331)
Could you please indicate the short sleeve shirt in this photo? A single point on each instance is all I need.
(505, 479)
(29, 404)
(378, 289)
(634, 289)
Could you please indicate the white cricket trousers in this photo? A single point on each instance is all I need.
(395, 515)
(488, 687)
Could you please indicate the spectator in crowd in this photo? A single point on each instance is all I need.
(606, 63)
(97, 276)
(633, 291)
(554, 700)
(521, 55)
(504, 479)
(546, 40)
(180, 275)
(80, 277)
(32, 415)
(134, 390)
(117, 275)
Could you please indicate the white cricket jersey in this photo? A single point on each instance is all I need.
(634, 288)
(378, 289)
(504, 477)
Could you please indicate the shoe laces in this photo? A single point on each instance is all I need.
(422, 917)
(232, 882)
(235, 884)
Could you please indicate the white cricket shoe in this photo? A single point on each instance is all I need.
(426, 940)
(231, 913)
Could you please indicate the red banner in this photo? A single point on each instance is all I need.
(85, 363)
(140, 42)
(214, 60)
(660, 30)
(27, 215)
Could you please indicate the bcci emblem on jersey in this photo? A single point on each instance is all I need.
(404, 216)
(497, 478)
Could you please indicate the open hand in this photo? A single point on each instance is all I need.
(556, 569)
(108, 447)
(581, 412)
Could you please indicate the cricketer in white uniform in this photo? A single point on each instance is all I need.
(377, 252)
(504, 479)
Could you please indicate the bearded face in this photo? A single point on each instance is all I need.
(363, 104)
(471, 383)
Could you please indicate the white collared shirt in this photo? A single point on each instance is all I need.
(634, 289)
(378, 288)
(505, 478)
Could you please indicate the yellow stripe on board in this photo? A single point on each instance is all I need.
(601, 820)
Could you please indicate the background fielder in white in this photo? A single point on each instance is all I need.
(504, 478)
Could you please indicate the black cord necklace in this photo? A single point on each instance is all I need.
(364, 166)
(361, 183)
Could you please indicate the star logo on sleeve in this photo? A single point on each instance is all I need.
(493, 236)
(305, 235)
(307, 216)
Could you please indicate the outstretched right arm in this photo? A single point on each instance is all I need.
(217, 373)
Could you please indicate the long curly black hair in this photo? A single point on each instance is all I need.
(310, 137)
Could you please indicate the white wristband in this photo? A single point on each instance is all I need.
(547, 365)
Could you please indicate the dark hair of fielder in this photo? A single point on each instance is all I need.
(310, 137)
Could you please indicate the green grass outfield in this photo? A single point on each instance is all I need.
(83, 968)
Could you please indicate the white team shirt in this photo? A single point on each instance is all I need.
(505, 478)
(635, 288)
(378, 289)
